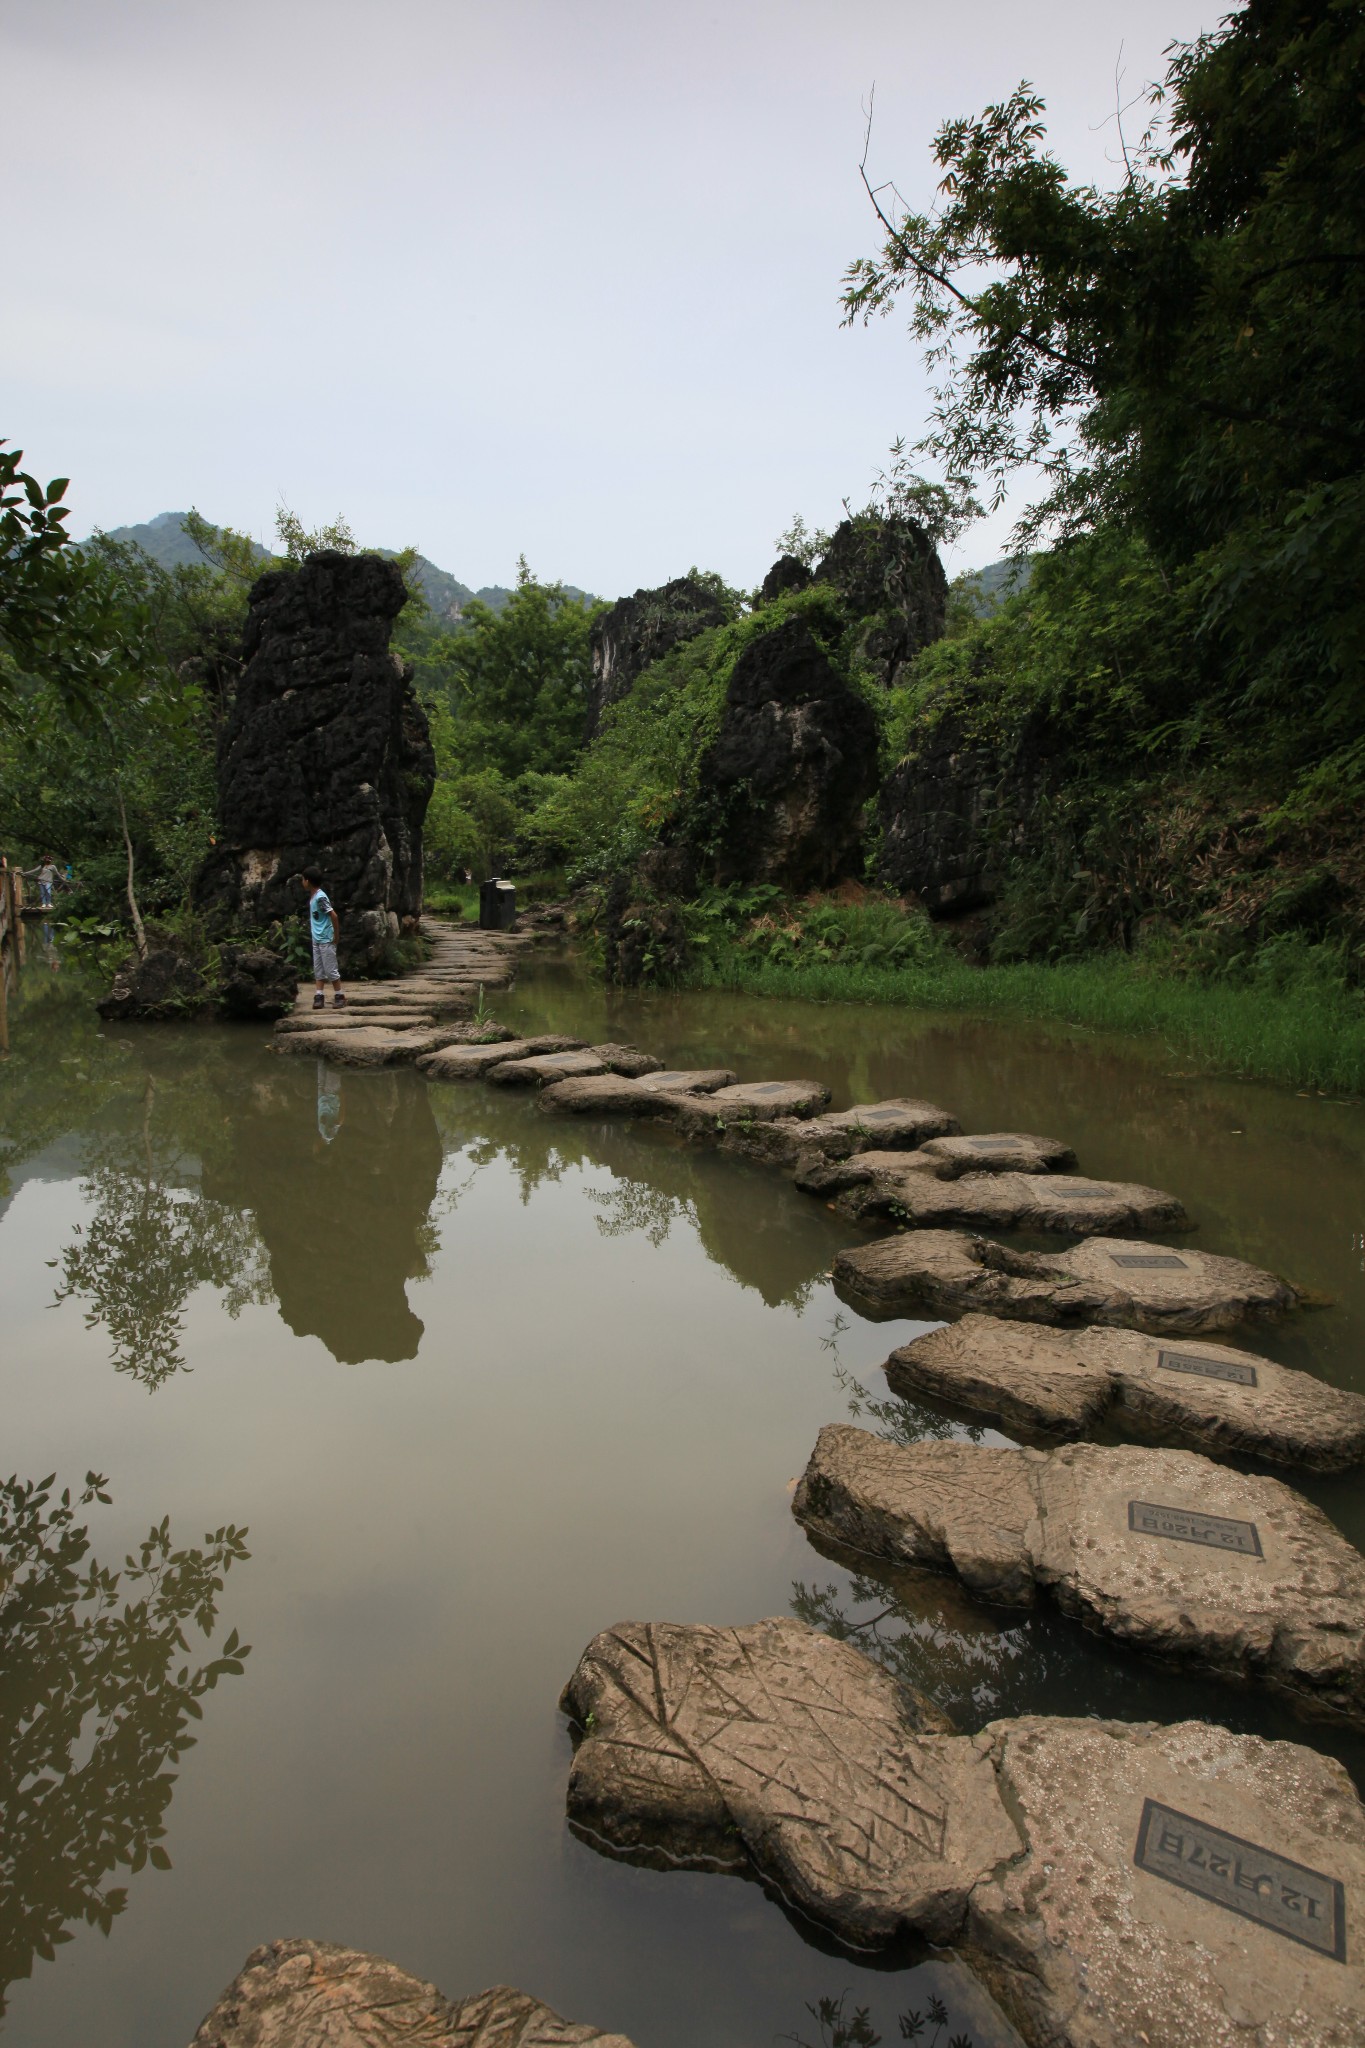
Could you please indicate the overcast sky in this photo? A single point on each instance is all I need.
(494, 276)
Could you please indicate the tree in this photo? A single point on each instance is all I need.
(1180, 353)
(519, 678)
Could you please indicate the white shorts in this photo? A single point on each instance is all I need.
(325, 960)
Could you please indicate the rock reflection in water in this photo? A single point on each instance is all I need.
(97, 1698)
(340, 1171)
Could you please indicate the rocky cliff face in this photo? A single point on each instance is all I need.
(786, 779)
(887, 573)
(957, 812)
(638, 630)
(325, 759)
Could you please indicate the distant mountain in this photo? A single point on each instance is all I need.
(166, 541)
(992, 585)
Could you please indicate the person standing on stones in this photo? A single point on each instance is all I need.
(322, 927)
(47, 874)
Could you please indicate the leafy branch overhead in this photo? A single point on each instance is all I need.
(1181, 352)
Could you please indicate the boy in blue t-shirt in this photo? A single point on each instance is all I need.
(322, 927)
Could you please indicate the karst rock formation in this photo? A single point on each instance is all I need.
(325, 760)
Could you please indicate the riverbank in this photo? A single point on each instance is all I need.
(1307, 1033)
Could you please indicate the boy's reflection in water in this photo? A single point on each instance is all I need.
(331, 1103)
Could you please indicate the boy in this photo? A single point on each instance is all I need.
(322, 926)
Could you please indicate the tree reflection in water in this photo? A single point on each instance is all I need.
(96, 1699)
(153, 1237)
(841, 2027)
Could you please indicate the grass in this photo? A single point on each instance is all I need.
(1308, 1032)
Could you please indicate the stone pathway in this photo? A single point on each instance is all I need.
(1107, 1280)
(1070, 1383)
(1162, 1550)
(310, 1994)
(1115, 1884)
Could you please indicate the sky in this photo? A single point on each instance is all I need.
(494, 277)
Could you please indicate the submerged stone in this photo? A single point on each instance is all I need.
(892, 1185)
(1114, 1884)
(1069, 1382)
(1163, 1550)
(1107, 1280)
(473, 1062)
(311, 1994)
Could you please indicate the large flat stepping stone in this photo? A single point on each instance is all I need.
(745, 1104)
(1163, 1550)
(546, 1068)
(473, 1062)
(776, 1744)
(894, 1125)
(688, 1080)
(311, 1994)
(373, 1045)
(302, 1022)
(884, 1184)
(1118, 1886)
(1069, 1383)
(994, 1152)
(607, 1094)
(1106, 1280)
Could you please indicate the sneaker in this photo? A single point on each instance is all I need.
(338, 1002)
(319, 1002)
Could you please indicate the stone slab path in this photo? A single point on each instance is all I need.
(893, 1184)
(1070, 1383)
(311, 1994)
(1117, 1886)
(475, 1062)
(544, 1069)
(1105, 1280)
(1234, 1575)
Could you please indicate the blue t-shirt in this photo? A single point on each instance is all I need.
(320, 916)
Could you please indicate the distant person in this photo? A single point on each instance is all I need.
(47, 874)
(322, 927)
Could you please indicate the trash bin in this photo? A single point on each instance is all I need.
(497, 905)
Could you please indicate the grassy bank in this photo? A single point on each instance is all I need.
(1307, 1032)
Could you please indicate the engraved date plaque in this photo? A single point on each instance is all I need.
(1286, 1897)
(1208, 1368)
(1166, 1260)
(1185, 1525)
(988, 1144)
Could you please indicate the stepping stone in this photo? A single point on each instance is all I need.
(689, 1080)
(886, 1184)
(606, 1094)
(1163, 1550)
(545, 1068)
(1116, 1884)
(994, 1152)
(548, 1068)
(374, 1046)
(1107, 1280)
(901, 1122)
(1070, 1383)
(746, 1103)
(775, 1746)
(305, 1021)
(310, 1994)
(473, 1062)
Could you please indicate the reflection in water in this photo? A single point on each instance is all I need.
(96, 1700)
(747, 1220)
(148, 1242)
(340, 1172)
(843, 2025)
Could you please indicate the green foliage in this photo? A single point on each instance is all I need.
(1180, 355)
(96, 1699)
(852, 930)
(517, 679)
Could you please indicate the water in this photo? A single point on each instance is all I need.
(480, 1383)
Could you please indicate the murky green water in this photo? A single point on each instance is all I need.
(480, 1383)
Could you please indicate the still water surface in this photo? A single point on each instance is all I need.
(480, 1383)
